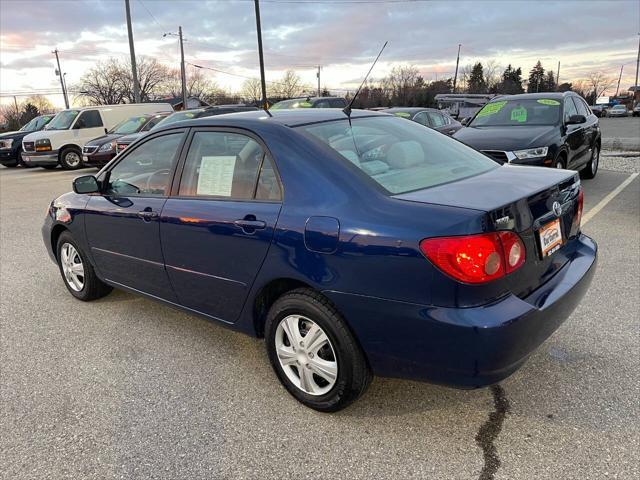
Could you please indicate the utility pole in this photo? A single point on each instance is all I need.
(263, 83)
(558, 76)
(132, 52)
(318, 75)
(635, 86)
(455, 76)
(15, 102)
(619, 78)
(59, 73)
(183, 74)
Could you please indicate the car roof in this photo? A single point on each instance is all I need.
(535, 96)
(290, 118)
(410, 109)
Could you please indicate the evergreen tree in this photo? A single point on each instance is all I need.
(476, 80)
(536, 79)
(550, 84)
(511, 82)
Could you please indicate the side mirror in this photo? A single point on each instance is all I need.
(86, 184)
(576, 119)
(465, 121)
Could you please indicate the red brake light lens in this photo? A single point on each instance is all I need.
(476, 258)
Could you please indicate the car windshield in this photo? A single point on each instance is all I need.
(178, 116)
(619, 107)
(63, 120)
(502, 113)
(130, 125)
(295, 103)
(400, 156)
(36, 124)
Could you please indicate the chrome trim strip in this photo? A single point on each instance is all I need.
(186, 270)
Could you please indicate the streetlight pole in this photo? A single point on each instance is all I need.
(619, 78)
(635, 86)
(455, 76)
(318, 75)
(263, 83)
(183, 73)
(132, 52)
(59, 73)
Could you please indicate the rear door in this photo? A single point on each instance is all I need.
(217, 227)
(122, 225)
(87, 126)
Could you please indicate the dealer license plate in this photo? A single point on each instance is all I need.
(550, 236)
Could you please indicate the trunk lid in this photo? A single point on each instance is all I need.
(520, 199)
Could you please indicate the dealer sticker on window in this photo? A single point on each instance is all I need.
(550, 237)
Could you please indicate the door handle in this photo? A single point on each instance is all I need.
(147, 215)
(250, 224)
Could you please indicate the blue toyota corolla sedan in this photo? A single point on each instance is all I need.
(354, 246)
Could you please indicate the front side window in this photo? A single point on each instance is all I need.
(63, 120)
(146, 171)
(227, 165)
(400, 156)
(581, 107)
(569, 109)
(421, 118)
(88, 119)
(503, 113)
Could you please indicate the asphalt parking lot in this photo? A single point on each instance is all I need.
(128, 388)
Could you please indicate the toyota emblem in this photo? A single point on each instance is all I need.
(557, 208)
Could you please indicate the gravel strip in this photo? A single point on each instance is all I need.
(619, 163)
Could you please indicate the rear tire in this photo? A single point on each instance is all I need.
(334, 374)
(77, 272)
(591, 169)
(71, 159)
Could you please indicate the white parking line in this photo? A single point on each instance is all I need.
(603, 203)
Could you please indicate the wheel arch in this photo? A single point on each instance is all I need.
(56, 231)
(267, 296)
(68, 145)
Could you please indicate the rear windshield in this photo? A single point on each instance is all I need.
(400, 156)
(295, 103)
(540, 111)
(130, 125)
(179, 116)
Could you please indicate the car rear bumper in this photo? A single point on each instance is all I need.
(466, 347)
(40, 158)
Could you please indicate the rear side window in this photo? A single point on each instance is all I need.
(337, 103)
(437, 120)
(421, 118)
(228, 165)
(581, 107)
(400, 156)
(89, 119)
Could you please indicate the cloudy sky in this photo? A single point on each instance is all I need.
(341, 35)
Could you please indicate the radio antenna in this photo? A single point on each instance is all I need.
(347, 109)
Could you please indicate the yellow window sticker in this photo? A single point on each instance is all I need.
(519, 114)
(548, 101)
(304, 105)
(491, 108)
(188, 115)
(402, 114)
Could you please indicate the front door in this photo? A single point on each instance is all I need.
(122, 225)
(217, 230)
(575, 136)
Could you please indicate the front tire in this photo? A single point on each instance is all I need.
(591, 169)
(77, 272)
(313, 353)
(559, 163)
(70, 159)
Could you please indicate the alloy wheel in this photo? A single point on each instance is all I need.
(72, 159)
(595, 158)
(72, 267)
(306, 355)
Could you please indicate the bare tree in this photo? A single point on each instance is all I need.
(492, 74)
(251, 90)
(42, 103)
(103, 84)
(289, 86)
(10, 116)
(599, 83)
(402, 84)
(198, 85)
(152, 76)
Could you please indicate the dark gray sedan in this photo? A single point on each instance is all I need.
(430, 117)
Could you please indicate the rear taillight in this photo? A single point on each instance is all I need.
(578, 216)
(476, 258)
